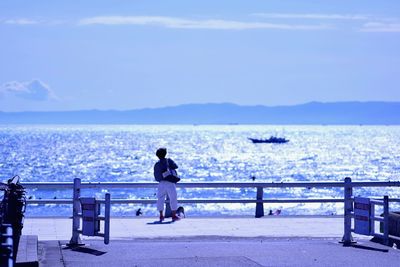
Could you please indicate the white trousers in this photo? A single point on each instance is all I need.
(166, 189)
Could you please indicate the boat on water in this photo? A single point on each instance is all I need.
(272, 139)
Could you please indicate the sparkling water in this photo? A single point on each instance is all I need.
(204, 153)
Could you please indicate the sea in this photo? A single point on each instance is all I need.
(204, 153)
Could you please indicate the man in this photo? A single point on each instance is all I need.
(165, 188)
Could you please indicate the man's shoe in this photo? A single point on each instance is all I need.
(162, 218)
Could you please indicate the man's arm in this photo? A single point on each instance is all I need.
(157, 173)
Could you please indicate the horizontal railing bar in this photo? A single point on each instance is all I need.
(390, 236)
(67, 185)
(378, 219)
(390, 200)
(394, 199)
(377, 202)
(261, 201)
(152, 201)
(49, 201)
(394, 237)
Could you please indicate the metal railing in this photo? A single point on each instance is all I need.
(384, 220)
(259, 198)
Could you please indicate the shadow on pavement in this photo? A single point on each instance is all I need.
(158, 222)
(369, 248)
(87, 250)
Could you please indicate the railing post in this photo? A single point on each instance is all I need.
(259, 205)
(75, 240)
(372, 218)
(168, 212)
(386, 220)
(107, 219)
(348, 208)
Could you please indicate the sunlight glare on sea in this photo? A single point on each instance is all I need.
(212, 153)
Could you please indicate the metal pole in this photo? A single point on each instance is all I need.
(259, 205)
(348, 208)
(386, 220)
(168, 211)
(372, 218)
(107, 219)
(75, 240)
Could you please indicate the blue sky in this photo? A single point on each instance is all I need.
(73, 55)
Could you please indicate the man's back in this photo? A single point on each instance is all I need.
(161, 166)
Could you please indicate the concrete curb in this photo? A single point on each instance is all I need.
(27, 255)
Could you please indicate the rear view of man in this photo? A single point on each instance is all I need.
(165, 188)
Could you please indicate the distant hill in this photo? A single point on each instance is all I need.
(380, 113)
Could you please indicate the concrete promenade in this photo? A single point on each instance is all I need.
(217, 241)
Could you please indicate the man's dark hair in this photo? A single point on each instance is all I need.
(161, 152)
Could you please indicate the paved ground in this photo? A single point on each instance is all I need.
(268, 241)
(144, 227)
(219, 252)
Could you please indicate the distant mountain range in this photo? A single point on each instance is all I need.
(381, 113)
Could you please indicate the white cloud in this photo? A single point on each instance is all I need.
(179, 23)
(381, 27)
(313, 16)
(21, 21)
(33, 90)
(380, 24)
